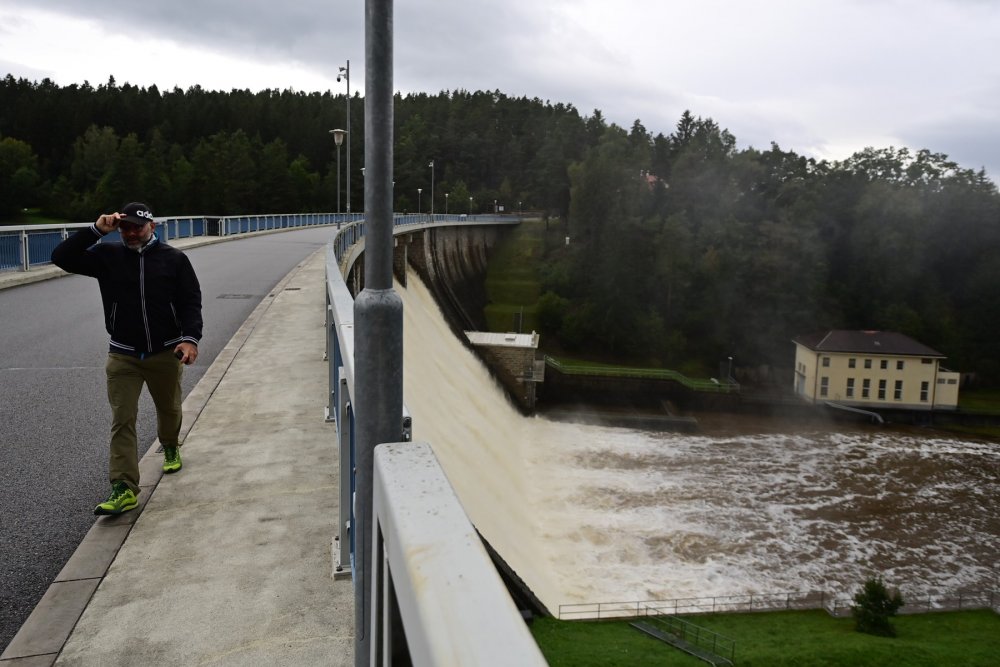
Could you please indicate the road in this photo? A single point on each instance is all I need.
(54, 415)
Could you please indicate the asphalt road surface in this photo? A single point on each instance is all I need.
(54, 415)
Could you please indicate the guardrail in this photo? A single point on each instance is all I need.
(23, 247)
(915, 603)
(583, 368)
(435, 589)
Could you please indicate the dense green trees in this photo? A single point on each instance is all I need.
(718, 252)
(684, 249)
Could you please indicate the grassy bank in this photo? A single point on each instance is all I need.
(779, 639)
(980, 400)
(512, 283)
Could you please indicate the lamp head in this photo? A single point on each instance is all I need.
(338, 136)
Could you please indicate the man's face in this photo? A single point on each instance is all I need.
(133, 235)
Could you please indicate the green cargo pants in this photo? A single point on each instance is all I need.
(161, 373)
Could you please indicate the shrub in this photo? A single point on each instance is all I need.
(874, 606)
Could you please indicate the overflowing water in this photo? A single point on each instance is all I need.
(603, 514)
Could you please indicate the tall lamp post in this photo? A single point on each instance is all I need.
(446, 203)
(470, 205)
(419, 207)
(346, 73)
(431, 165)
(338, 138)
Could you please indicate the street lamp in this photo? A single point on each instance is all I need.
(346, 73)
(470, 205)
(446, 203)
(431, 165)
(729, 377)
(338, 138)
(419, 209)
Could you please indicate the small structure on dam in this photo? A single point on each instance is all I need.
(514, 359)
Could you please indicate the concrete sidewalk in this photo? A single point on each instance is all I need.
(229, 561)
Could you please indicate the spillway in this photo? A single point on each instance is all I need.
(599, 514)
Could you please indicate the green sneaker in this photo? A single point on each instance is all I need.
(171, 459)
(122, 499)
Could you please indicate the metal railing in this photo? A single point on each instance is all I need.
(436, 595)
(915, 603)
(583, 368)
(693, 637)
(23, 247)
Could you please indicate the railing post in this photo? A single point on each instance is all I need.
(25, 257)
(344, 428)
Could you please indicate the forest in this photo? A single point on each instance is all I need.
(685, 249)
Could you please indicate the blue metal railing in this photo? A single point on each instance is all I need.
(24, 247)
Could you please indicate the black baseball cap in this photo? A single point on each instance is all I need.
(137, 213)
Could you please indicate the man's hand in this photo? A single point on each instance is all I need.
(186, 352)
(109, 222)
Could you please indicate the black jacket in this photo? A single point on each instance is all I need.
(152, 299)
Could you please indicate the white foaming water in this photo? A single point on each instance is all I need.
(602, 514)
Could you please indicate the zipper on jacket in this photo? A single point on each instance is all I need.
(114, 311)
(142, 300)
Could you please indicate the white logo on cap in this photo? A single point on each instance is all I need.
(143, 213)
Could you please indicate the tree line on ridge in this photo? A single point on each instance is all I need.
(685, 249)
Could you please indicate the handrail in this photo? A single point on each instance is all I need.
(755, 602)
(23, 247)
(454, 607)
(430, 568)
(583, 368)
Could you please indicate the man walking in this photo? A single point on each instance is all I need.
(152, 311)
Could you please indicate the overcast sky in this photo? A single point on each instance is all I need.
(824, 78)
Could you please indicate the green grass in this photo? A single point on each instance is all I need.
(980, 400)
(512, 282)
(784, 639)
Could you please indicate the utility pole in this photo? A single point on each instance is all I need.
(378, 316)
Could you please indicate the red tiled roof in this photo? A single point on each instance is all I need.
(866, 342)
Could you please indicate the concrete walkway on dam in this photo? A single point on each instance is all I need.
(229, 561)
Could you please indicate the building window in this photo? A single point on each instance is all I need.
(941, 380)
(884, 364)
(850, 387)
(924, 391)
(851, 362)
(927, 361)
(898, 391)
(866, 387)
(952, 381)
(868, 363)
(826, 362)
(899, 364)
(881, 390)
(824, 385)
